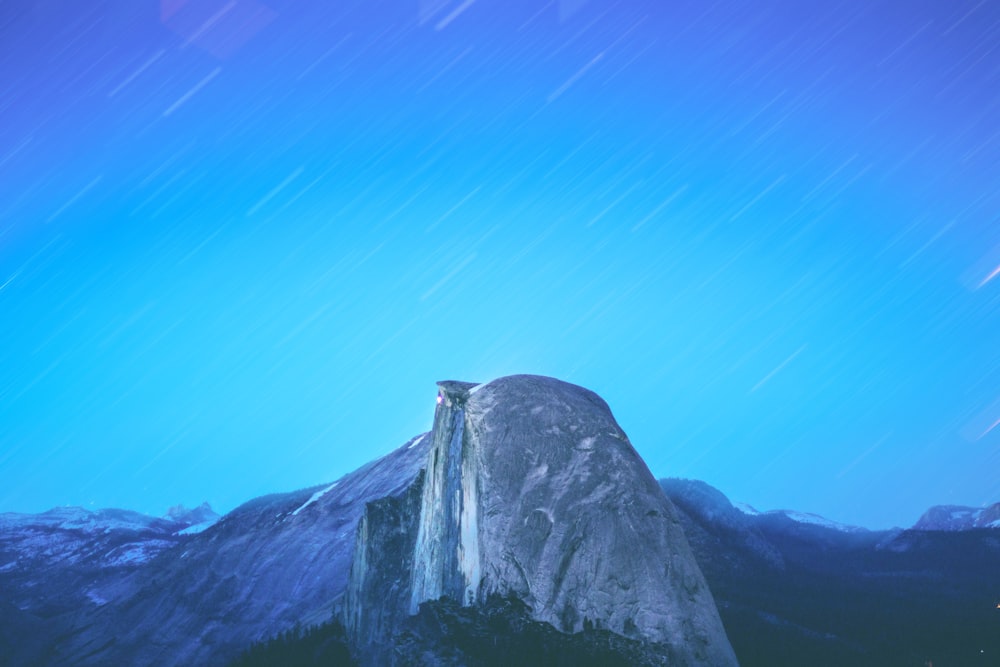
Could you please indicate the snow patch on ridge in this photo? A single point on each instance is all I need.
(136, 553)
(96, 599)
(197, 528)
(316, 496)
(816, 520)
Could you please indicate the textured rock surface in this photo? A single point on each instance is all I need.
(378, 591)
(954, 517)
(520, 477)
(447, 549)
(268, 565)
(537, 461)
(59, 561)
(533, 490)
(707, 506)
(832, 598)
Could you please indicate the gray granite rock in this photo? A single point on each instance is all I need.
(378, 589)
(533, 490)
(529, 488)
(271, 564)
(957, 518)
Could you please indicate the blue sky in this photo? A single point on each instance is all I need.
(240, 240)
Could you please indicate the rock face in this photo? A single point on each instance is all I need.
(704, 505)
(447, 550)
(381, 567)
(954, 518)
(270, 564)
(202, 515)
(526, 488)
(793, 593)
(533, 490)
(55, 563)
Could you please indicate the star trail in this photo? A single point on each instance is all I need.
(241, 240)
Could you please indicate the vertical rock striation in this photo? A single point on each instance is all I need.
(533, 490)
(447, 548)
(378, 588)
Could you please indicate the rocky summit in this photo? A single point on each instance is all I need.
(532, 490)
(525, 508)
(522, 529)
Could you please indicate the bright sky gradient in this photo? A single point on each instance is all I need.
(241, 239)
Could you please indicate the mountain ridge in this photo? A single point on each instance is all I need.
(532, 489)
(137, 589)
(284, 560)
(793, 593)
(935, 517)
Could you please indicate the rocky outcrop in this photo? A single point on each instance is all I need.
(525, 489)
(532, 490)
(835, 597)
(381, 570)
(734, 534)
(54, 563)
(272, 564)
(200, 515)
(447, 550)
(954, 518)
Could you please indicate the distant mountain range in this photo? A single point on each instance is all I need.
(794, 592)
(522, 529)
(954, 517)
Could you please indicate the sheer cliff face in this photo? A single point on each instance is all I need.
(532, 488)
(447, 547)
(275, 562)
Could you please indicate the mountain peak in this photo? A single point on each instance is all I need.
(201, 514)
(456, 389)
(810, 519)
(957, 517)
(532, 489)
